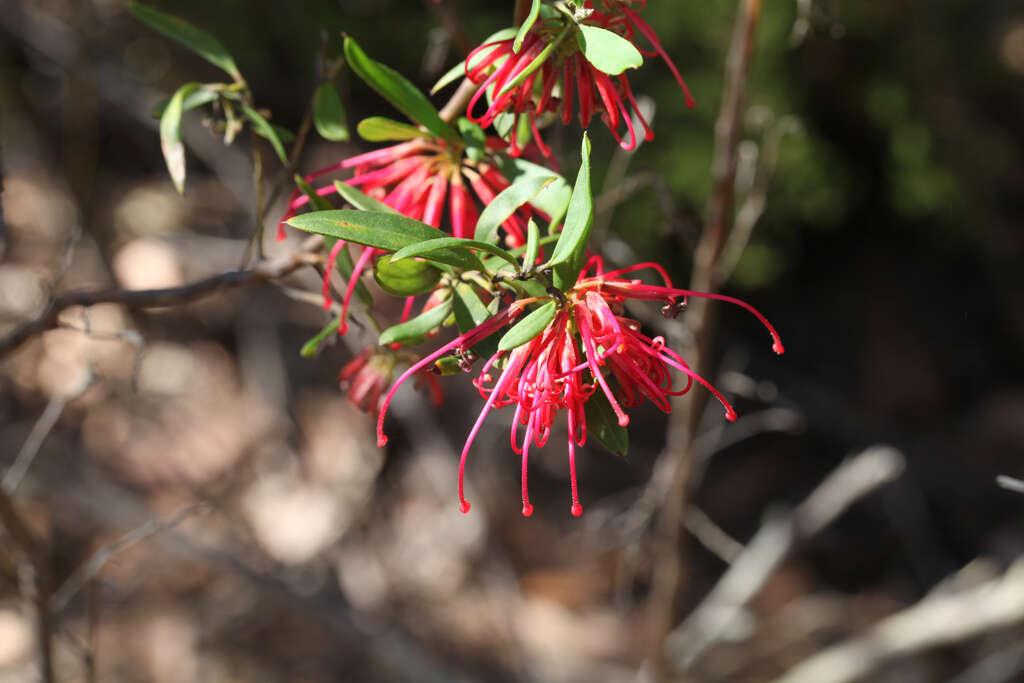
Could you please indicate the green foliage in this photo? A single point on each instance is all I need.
(445, 242)
(383, 129)
(603, 424)
(170, 135)
(569, 252)
(506, 202)
(414, 330)
(529, 327)
(262, 127)
(608, 51)
(531, 17)
(406, 277)
(397, 90)
(197, 40)
(329, 114)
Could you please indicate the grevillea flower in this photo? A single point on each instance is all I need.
(513, 82)
(425, 179)
(588, 346)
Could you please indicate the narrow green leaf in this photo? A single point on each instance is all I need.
(501, 208)
(360, 199)
(382, 129)
(537, 62)
(197, 40)
(532, 247)
(528, 328)
(470, 312)
(262, 127)
(311, 347)
(394, 87)
(569, 251)
(283, 134)
(418, 327)
(603, 424)
(329, 114)
(447, 366)
(608, 51)
(405, 278)
(475, 139)
(553, 199)
(459, 70)
(170, 136)
(444, 242)
(195, 99)
(527, 25)
(316, 201)
(380, 230)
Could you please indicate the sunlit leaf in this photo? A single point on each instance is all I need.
(382, 129)
(569, 251)
(444, 242)
(470, 312)
(405, 278)
(532, 246)
(536, 63)
(608, 51)
(528, 328)
(394, 87)
(527, 25)
(418, 327)
(329, 114)
(195, 99)
(170, 136)
(197, 40)
(380, 230)
(359, 199)
(501, 208)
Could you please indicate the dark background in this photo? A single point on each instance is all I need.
(888, 255)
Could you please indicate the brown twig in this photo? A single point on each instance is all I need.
(459, 99)
(669, 574)
(270, 269)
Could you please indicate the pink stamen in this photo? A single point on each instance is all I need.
(651, 36)
(332, 257)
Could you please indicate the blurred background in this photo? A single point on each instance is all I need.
(213, 509)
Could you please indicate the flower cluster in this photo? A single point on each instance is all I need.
(549, 70)
(589, 346)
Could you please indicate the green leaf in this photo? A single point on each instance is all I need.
(382, 129)
(329, 114)
(607, 51)
(418, 327)
(262, 127)
(197, 98)
(170, 136)
(571, 247)
(443, 242)
(501, 208)
(532, 247)
(310, 348)
(604, 424)
(360, 199)
(283, 134)
(528, 328)
(447, 366)
(405, 278)
(197, 40)
(380, 230)
(394, 87)
(527, 25)
(470, 312)
(537, 62)
(459, 70)
(316, 201)
(475, 139)
(553, 199)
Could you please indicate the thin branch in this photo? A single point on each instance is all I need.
(42, 428)
(458, 101)
(270, 269)
(94, 565)
(774, 541)
(669, 573)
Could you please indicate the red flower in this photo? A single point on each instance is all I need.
(565, 71)
(587, 344)
(424, 179)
